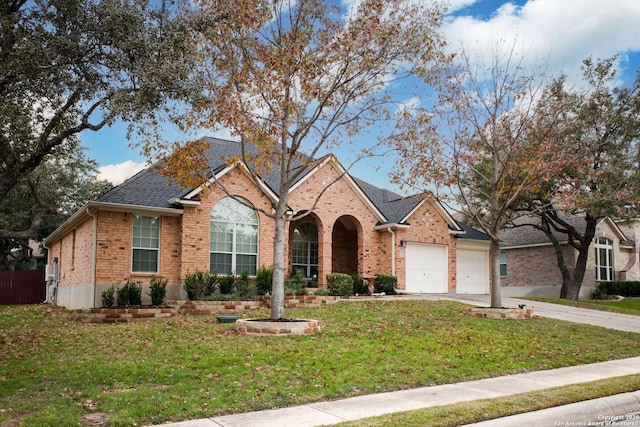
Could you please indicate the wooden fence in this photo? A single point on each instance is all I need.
(22, 287)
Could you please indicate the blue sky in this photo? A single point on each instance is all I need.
(559, 32)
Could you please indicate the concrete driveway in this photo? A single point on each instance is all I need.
(622, 322)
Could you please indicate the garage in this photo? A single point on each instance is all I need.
(426, 268)
(472, 273)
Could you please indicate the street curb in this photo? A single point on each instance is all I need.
(605, 411)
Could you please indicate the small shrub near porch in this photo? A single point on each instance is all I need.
(340, 284)
(385, 283)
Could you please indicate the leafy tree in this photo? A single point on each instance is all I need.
(66, 180)
(603, 127)
(486, 144)
(291, 77)
(70, 66)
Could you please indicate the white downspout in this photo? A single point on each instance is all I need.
(393, 251)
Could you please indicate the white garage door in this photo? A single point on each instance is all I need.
(426, 268)
(471, 275)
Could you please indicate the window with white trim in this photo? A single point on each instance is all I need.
(503, 264)
(146, 244)
(604, 259)
(305, 250)
(233, 237)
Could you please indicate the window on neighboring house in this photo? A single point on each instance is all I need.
(233, 237)
(146, 244)
(305, 250)
(604, 259)
(503, 264)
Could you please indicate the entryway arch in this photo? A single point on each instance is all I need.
(346, 244)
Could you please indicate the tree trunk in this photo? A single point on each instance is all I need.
(494, 256)
(279, 244)
(571, 286)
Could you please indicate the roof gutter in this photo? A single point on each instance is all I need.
(82, 214)
(393, 226)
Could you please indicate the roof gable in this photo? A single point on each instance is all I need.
(149, 188)
(525, 233)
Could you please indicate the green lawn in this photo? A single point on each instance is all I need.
(53, 369)
(488, 409)
(624, 306)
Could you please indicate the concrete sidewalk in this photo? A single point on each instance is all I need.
(333, 412)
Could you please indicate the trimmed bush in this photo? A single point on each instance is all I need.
(340, 284)
(245, 287)
(321, 292)
(122, 295)
(625, 289)
(359, 286)
(135, 293)
(385, 283)
(226, 284)
(264, 279)
(108, 297)
(296, 285)
(199, 284)
(158, 289)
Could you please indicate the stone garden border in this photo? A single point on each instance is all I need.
(499, 313)
(182, 307)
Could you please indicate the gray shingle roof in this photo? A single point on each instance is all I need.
(393, 206)
(471, 233)
(149, 188)
(523, 234)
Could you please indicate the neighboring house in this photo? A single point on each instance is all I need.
(528, 264)
(148, 226)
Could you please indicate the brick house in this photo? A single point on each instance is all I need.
(528, 265)
(149, 226)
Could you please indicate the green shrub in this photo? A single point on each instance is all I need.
(321, 292)
(339, 284)
(122, 295)
(199, 284)
(108, 297)
(385, 283)
(622, 288)
(226, 284)
(245, 287)
(264, 279)
(135, 292)
(158, 289)
(296, 285)
(359, 285)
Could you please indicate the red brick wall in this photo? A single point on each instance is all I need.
(196, 222)
(340, 200)
(113, 258)
(74, 252)
(185, 240)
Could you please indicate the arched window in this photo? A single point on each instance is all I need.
(234, 237)
(305, 250)
(604, 259)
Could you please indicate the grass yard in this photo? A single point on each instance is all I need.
(53, 370)
(624, 306)
(487, 409)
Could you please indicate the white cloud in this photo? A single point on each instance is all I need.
(562, 33)
(408, 105)
(118, 173)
